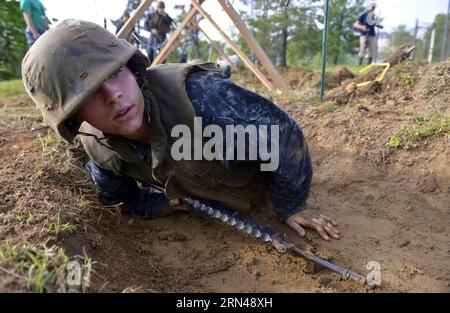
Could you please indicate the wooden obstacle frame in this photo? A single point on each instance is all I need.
(275, 82)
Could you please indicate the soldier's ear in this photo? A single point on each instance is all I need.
(75, 120)
(73, 124)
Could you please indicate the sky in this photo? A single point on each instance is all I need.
(396, 12)
(393, 12)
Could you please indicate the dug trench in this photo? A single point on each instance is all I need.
(392, 206)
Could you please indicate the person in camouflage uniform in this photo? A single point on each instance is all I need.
(87, 82)
(159, 24)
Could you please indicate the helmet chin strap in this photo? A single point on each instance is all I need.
(98, 140)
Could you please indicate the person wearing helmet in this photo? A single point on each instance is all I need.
(159, 24)
(121, 22)
(87, 82)
(366, 24)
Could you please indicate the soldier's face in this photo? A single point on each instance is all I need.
(117, 107)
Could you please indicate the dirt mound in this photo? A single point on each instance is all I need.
(19, 101)
(300, 78)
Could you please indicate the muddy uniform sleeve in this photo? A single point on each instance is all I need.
(222, 102)
(120, 189)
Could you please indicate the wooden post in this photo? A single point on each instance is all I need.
(164, 53)
(216, 46)
(254, 45)
(235, 48)
(126, 29)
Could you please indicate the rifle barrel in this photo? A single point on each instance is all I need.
(265, 234)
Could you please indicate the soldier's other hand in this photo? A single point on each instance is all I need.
(325, 226)
(177, 205)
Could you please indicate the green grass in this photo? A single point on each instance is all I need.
(42, 268)
(410, 136)
(58, 227)
(11, 89)
(53, 144)
(24, 219)
(402, 70)
(326, 106)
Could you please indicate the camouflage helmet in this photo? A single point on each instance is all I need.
(68, 64)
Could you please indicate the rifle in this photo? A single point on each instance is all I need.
(263, 233)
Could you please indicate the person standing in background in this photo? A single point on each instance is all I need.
(159, 23)
(365, 24)
(125, 17)
(35, 18)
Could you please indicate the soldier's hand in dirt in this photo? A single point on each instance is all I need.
(174, 207)
(325, 226)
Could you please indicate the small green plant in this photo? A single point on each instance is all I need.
(20, 218)
(78, 198)
(430, 86)
(58, 227)
(52, 143)
(401, 71)
(41, 268)
(326, 106)
(409, 137)
(29, 218)
(57, 150)
(408, 80)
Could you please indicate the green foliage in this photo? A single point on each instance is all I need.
(439, 24)
(399, 36)
(409, 136)
(343, 39)
(58, 227)
(302, 22)
(305, 42)
(401, 70)
(42, 268)
(13, 44)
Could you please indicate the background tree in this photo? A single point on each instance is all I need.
(305, 39)
(399, 36)
(13, 45)
(291, 32)
(439, 24)
(343, 38)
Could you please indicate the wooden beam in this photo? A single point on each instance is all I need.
(254, 45)
(216, 46)
(126, 29)
(235, 48)
(164, 53)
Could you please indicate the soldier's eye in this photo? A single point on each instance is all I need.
(116, 73)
